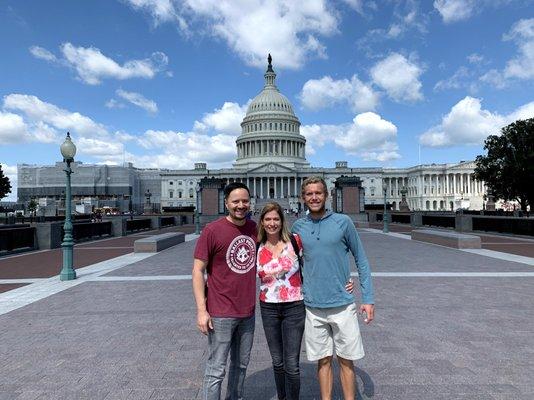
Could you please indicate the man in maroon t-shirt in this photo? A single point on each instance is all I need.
(226, 249)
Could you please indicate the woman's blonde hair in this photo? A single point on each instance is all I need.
(284, 232)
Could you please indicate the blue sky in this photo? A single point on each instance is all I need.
(165, 83)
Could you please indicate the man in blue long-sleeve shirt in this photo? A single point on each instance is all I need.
(331, 314)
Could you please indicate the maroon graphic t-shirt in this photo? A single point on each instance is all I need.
(230, 251)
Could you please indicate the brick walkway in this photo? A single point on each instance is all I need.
(450, 325)
(496, 242)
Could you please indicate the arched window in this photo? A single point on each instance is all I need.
(191, 193)
(171, 194)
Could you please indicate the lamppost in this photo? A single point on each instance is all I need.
(385, 217)
(197, 216)
(68, 151)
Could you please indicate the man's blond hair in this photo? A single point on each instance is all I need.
(313, 179)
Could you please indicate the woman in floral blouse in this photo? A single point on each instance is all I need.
(281, 299)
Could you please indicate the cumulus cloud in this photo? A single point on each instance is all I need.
(522, 66)
(226, 119)
(27, 118)
(327, 92)
(369, 136)
(455, 10)
(36, 110)
(183, 149)
(13, 129)
(458, 80)
(290, 31)
(468, 124)
(399, 77)
(138, 100)
(92, 66)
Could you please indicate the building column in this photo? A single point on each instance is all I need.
(469, 184)
(261, 188)
(275, 191)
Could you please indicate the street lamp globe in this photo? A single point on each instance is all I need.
(68, 149)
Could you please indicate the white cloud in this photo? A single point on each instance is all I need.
(455, 10)
(368, 133)
(318, 135)
(39, 121)
(399, 77)
(92, 66)
(161, 11)
(13, 129)
(368, 136)
(327, 92)
(522, 66)
(99, 148)
(113, 103)
(36, 110)
(468, 124)
(357, 5)
(42, 53)
(290, 31)
(11, 172)
(138, 100)
(224, 120)
(182, 150)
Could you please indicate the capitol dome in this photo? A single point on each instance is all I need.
(270, 131)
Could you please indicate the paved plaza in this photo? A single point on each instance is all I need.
(450, 324)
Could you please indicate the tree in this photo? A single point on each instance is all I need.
(508, 168)
(5, 185)
(32, 206)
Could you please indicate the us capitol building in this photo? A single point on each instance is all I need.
(271, 160)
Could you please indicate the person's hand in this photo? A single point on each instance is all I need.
(349, 287)
(204, 323)
(368, 312)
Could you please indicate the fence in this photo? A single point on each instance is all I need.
(517, 226)
(17, 238)
(166, 221)
(138, 224)
(445, 221)
(88, 230)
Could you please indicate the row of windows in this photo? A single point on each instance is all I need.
(180, 183)
(180, 194)
(270, 106)
(276, 126)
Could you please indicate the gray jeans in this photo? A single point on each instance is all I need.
(234, 336)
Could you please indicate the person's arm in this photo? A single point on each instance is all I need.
(364, 273)
(203, 317)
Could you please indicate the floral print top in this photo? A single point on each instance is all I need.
(280, 279)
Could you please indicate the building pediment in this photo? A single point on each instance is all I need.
(270, 168)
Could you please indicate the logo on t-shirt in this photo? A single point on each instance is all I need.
(240, 256)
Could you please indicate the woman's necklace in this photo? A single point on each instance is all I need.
(276, 249)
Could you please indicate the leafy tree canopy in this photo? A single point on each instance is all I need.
(508, 167)
(5, 185)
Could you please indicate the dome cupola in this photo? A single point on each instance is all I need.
(270, 129)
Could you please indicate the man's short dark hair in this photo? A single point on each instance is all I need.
(233, 186)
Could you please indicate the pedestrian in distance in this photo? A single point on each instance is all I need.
(331, 315)
(226, 251)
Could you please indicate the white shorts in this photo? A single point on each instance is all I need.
(329, 329)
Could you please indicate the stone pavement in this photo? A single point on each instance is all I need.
(450, 324)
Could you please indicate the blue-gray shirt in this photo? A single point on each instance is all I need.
(326, 244)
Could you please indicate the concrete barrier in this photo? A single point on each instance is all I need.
(446, 238)
(156, 243)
